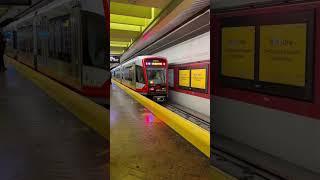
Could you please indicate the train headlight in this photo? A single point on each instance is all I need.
(151, 82)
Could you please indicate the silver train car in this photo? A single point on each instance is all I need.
(67, 41)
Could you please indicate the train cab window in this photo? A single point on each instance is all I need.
(156, 76)
(95, 40)
(268, 54)
(140, 75)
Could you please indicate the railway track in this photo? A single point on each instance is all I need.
(183, 113)
(239, 168)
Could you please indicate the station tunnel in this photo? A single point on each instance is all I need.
(149, 49)
(166, 89)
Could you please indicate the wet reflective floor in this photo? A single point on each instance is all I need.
(40, 140)
(143, 147)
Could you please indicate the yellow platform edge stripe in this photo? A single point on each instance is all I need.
(196, 135)
(90, 113)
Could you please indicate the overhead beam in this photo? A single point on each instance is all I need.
(122, 19)
(132, 10)
(117, 48)
(119, 44)
(122, 39)
(122, 34)
(148, 3)
(126, 27)
(116, 52)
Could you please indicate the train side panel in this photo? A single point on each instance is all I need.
(60, 41)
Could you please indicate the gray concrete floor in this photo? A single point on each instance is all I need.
(143, 147)
(40, 140)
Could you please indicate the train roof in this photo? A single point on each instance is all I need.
(95, 6)
(137, 58)
(148, 56)
(142, 57)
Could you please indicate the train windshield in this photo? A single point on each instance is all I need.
(156, 76)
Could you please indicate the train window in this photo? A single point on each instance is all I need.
(25, 39)
(140, 75)
(171, 77)
(274, 56)
(128, 73)
(118, 74)
(39, 42)
(60, 38)
(15, 40)
(95, 40)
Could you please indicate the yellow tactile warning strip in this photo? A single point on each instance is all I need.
(197, 136)
(94, 115)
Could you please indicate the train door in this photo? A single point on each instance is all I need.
(41, 41)
(35, 43)
(76, 44)
(95, 72)
(134, 76)
(14, 33)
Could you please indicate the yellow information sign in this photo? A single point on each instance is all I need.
(199, 78)
(283, 54)
(184, 78)
(238, 47)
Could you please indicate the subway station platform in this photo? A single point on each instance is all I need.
(40, 140)
(144, 147)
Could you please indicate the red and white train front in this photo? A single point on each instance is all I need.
(146, 75)
(156, 72)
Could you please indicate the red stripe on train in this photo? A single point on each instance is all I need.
(103, 91)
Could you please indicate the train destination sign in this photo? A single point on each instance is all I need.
(15, 2)
(238, 47)
(184, 78)
(283, 54)
(198, 78)
(155, 63)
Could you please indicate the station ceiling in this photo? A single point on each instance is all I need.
(129, 19)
